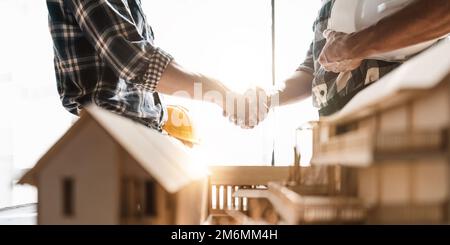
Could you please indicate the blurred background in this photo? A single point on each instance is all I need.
(228, 39)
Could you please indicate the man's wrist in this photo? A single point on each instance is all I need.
(272, 100)
(359, 45)
(212, 87)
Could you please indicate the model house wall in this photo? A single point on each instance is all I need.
(142, 199)
(192, 203)
(405, 192)
(93, 171)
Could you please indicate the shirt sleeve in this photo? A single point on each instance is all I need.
(308, 63)
(109, 26)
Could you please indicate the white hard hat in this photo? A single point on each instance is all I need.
(354, 15)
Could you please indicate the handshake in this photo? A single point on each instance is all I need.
(249, 109)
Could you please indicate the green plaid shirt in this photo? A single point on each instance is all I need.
(330, 91)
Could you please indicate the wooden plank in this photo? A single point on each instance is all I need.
(251, 193)
(225, 198)
(209, 196)
(297, 209)
(448, 145)
(217, 197)
(247, 175)
(238, 199)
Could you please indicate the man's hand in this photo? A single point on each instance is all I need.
(337, 55)
(249, 109)
(420, 21)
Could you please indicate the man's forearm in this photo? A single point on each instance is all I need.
(178, 80)
(297, 87)
(421, 21)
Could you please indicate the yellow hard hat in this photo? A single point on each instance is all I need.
(180, 125)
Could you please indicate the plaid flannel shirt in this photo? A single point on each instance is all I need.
(330, 91)
(104, 54)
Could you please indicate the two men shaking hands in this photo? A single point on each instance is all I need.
(105, 54)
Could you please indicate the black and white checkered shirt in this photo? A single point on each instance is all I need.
(104, 54)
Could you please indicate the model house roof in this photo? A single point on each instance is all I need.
(162, 156)
(423, 72)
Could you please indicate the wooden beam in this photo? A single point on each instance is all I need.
(225, 198)
(448, 145)
(217, 197)
(247, 175)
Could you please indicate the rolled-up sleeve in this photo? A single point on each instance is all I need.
(109, 26)
(308, 63)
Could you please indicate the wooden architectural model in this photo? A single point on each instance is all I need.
(109, 170)
(225, 206)
(384, 159)
(396, 134)
(268, 195)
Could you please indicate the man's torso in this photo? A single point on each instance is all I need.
(332, 91)
(83, 77)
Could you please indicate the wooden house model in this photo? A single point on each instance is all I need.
(396, 133)
(384, 159)
(268, 195)
(110, 170)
